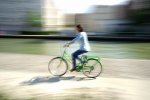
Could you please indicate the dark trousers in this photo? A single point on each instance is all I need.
(75, 56)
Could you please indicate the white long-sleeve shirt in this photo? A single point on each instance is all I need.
(83, 41)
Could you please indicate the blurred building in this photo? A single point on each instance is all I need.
(139, 4)
(13, 14)
(102, 18)
(53, 18)
(18, 15)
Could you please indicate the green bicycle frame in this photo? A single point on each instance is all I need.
(80, 66)
(66, 56)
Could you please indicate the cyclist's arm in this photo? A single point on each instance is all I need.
(75, 39)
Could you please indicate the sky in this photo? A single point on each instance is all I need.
(80, 6)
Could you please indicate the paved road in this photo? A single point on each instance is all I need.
(26, 76)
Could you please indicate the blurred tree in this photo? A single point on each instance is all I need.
(142, 16)
(33, 19)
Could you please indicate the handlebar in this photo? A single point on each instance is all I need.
(66, 45)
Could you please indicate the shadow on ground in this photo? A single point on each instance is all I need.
(48, 79)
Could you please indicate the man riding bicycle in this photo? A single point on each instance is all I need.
(84, 45)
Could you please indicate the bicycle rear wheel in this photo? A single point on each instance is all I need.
(92, 68)
(58, 66)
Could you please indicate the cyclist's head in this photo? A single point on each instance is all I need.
(79, 28)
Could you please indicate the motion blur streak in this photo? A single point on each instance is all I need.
(32, 32)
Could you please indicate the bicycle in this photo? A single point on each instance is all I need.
(89, 65)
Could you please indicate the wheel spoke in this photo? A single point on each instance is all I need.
(57, 66)
(94, 70)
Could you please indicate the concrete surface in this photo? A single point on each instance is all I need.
(26, 76)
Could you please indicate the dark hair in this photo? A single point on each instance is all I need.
(80, 28)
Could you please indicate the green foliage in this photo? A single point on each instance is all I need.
(71, 25)
(142, 16)
(33, 19)
(3, 97)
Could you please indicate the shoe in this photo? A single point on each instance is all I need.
(73, 69)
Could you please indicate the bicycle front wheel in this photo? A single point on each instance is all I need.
(92, 68)
(58, 66)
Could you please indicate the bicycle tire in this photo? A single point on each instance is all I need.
(97, 68)
(55, 61)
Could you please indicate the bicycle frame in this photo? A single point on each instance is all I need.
(66, 56)
(80, 65)
(86, 65)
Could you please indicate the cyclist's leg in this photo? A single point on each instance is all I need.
(75, 56)
(82, 52)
